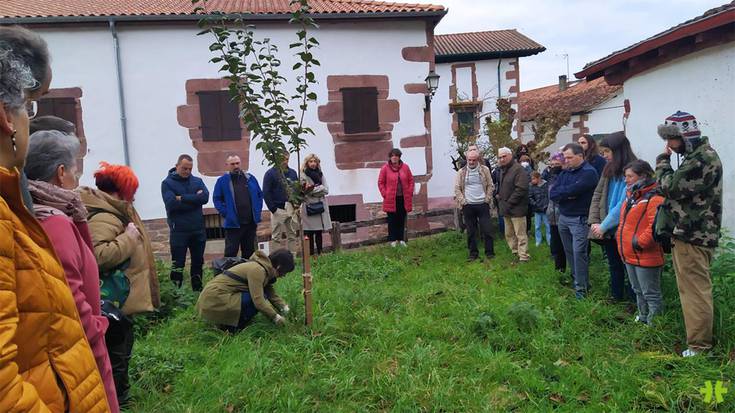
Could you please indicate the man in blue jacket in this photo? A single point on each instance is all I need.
(572, 191)
(184, 196)
(239, 200)
(284, 217)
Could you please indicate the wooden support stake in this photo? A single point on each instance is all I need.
(336, 236)
(308, 313)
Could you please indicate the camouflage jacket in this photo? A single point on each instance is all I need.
(694, 194)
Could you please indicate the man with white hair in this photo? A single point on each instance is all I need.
(473, 192)
(512, 200)
(239, 200)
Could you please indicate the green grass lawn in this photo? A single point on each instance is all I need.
(419, 329)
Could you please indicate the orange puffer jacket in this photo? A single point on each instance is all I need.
(635, 232)
(46, 364)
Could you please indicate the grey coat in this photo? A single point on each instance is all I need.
(322, 222)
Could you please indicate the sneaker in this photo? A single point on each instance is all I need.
(639, 319)
(402, 243)
(579, 295)
(394, 243)
(690, 352)
(472, 258)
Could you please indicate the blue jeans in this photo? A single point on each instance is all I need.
(618, 287)
(573, 232)
(247, 309)
(541, 218)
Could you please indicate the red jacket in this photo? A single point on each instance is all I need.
(73, 245)
(635, 232)
(388, 186)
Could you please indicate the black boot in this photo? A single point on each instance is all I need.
(119, 338)
(196, 283)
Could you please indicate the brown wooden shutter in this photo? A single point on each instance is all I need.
(220, 116)
(64, 108)
(360, 109)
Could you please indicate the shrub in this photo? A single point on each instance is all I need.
(485, 324)
(525, 316)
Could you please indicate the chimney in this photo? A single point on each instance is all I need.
(562, 83)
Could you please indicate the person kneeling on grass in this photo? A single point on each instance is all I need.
(233, 298)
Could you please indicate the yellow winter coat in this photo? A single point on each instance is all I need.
(108, 217)
(46, 364)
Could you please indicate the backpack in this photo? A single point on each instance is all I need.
(222, 266)
(114, 284)
(663, 226)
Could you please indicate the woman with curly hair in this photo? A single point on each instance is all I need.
(121, 244)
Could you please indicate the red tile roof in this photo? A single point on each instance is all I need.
(578, 98)
(495, 43)
(15, 9)
(717, 16)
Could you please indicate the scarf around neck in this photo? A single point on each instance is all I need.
(49, 200)
(315, 175)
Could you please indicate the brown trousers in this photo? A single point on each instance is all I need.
(691, 264)
(516, 236)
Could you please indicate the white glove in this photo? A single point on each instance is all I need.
(279, 321)
(285, 310)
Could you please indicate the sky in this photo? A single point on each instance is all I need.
(585, 30)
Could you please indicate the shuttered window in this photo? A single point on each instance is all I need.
(466, 121)
(64, 108)
(360, 106)
(220, 116)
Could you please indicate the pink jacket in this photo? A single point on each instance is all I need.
(73, 245)
(388, 186)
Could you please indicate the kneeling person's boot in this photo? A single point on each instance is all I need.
(196, 283)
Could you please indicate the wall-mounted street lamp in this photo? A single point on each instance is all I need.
(432, 84)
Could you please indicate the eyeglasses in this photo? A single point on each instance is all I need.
(32, 108)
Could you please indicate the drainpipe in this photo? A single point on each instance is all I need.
(120, 92)
(500, 91)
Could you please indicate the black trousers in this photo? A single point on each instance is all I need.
(242, 239)
(397, 221)
(557, 250)
(194, 242)
(478, 215)
(315, 237)
(119, 339)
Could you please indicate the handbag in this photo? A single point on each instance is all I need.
(114, 285)
(315, 208)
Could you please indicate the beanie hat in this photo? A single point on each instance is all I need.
(679, 125)
(558, 156)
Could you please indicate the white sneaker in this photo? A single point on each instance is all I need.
(690, 352)
(394, 244)
(403, 243)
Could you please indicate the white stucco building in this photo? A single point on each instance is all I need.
(136, 80)
(476, 69)
(690, 67)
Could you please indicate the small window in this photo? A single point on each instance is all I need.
(213, 226)
(220, 116)
(343, 213)
(360, 109)
(64, 108)
(466, 122)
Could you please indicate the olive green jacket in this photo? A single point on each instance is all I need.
(221, 298)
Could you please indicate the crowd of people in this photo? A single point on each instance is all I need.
(600, 192)
(76, 262)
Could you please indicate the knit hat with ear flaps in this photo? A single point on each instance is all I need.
(679, 125)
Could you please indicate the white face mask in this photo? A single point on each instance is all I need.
(525, 164)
